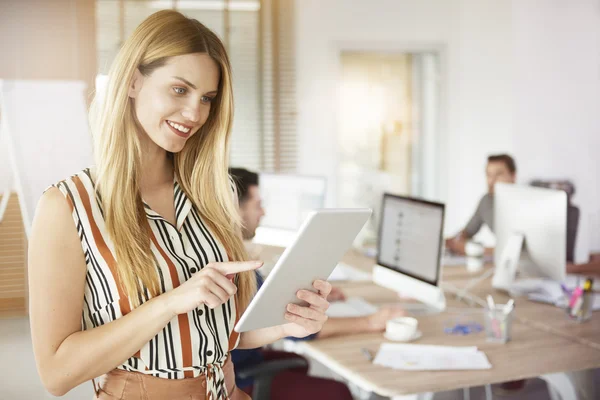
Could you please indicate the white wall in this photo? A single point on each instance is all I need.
(519, 76)
(323, 29)
(557, 119)
(5, 169)
(474, 36)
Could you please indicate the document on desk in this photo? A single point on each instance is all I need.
(574, 280)
(545, 290)
(351, 307)
(562, 302)
(414, 357)
(451, 260)
(345, 272)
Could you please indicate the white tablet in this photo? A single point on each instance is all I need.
(323, 239)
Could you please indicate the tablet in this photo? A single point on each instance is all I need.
(323, 239)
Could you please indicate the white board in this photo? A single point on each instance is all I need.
(44, 127)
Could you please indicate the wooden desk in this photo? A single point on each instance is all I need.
(544, 316)
(533, 351)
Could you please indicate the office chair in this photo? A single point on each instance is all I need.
(264, 373)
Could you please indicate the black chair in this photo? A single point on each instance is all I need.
(264, 373)
(572, 211)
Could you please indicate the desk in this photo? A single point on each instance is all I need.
(533, 351)
(543, 316)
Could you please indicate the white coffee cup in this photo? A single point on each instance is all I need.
(474, 264)
(402, 328)
(474, 249)
(474, 252)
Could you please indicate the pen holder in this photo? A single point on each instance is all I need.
(582, 308)
(498, 324)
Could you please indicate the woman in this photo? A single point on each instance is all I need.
(130, 261)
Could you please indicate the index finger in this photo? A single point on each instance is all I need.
(227, 268)
(323, 287)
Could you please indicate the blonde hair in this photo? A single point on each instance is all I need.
(200, 168)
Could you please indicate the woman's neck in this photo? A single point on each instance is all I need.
(157, 168)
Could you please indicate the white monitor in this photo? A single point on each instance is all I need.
(531, 233)
(287, 199)
(409, 248)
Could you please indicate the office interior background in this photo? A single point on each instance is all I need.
(402, 96)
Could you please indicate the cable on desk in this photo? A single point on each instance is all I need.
(474, 282)
(449, 288)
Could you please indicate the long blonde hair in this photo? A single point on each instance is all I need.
(200, 168)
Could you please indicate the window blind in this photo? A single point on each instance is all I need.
(259, 37)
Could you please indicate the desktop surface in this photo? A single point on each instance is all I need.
(539, 346)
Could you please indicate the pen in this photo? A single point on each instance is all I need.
(509, 306)
(490, 302)
(367, 354)
(565, 290)
(575, 296)
(576, 309)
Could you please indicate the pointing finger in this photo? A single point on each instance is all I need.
(227, 268)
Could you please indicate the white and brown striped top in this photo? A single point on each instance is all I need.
(191, 343)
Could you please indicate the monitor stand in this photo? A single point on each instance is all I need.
(432, 296)
(419, 309)
(508, 262)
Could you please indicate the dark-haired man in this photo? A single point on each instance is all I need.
(499, 168)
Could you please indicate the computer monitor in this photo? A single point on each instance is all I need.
(287, 199)
(531, 233)
(409, 248)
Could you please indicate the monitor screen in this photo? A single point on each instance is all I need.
(287, 199)
(410, 237)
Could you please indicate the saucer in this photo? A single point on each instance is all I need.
(417, 335)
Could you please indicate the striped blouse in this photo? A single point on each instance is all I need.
(191, 344)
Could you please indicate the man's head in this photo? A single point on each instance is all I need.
(500, 168)
(251, 209)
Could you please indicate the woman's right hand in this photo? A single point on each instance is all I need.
(378, 321)
(212, 285)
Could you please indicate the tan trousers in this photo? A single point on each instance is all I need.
(123, 385)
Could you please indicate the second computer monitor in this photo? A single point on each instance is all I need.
(531, 233)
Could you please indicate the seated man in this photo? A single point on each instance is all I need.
(295, 384)
(591, 268)
(500, 168)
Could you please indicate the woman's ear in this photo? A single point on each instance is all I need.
(136, 84)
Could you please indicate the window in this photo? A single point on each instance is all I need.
(388, 128)
(259, 39)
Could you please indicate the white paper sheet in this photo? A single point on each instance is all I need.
(563, 301)
(454, 261)
(573, 281)
(414, 357)
(451, 260)
(352, 307)
(545, 290)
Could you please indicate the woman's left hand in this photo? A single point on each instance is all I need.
(306, 320)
